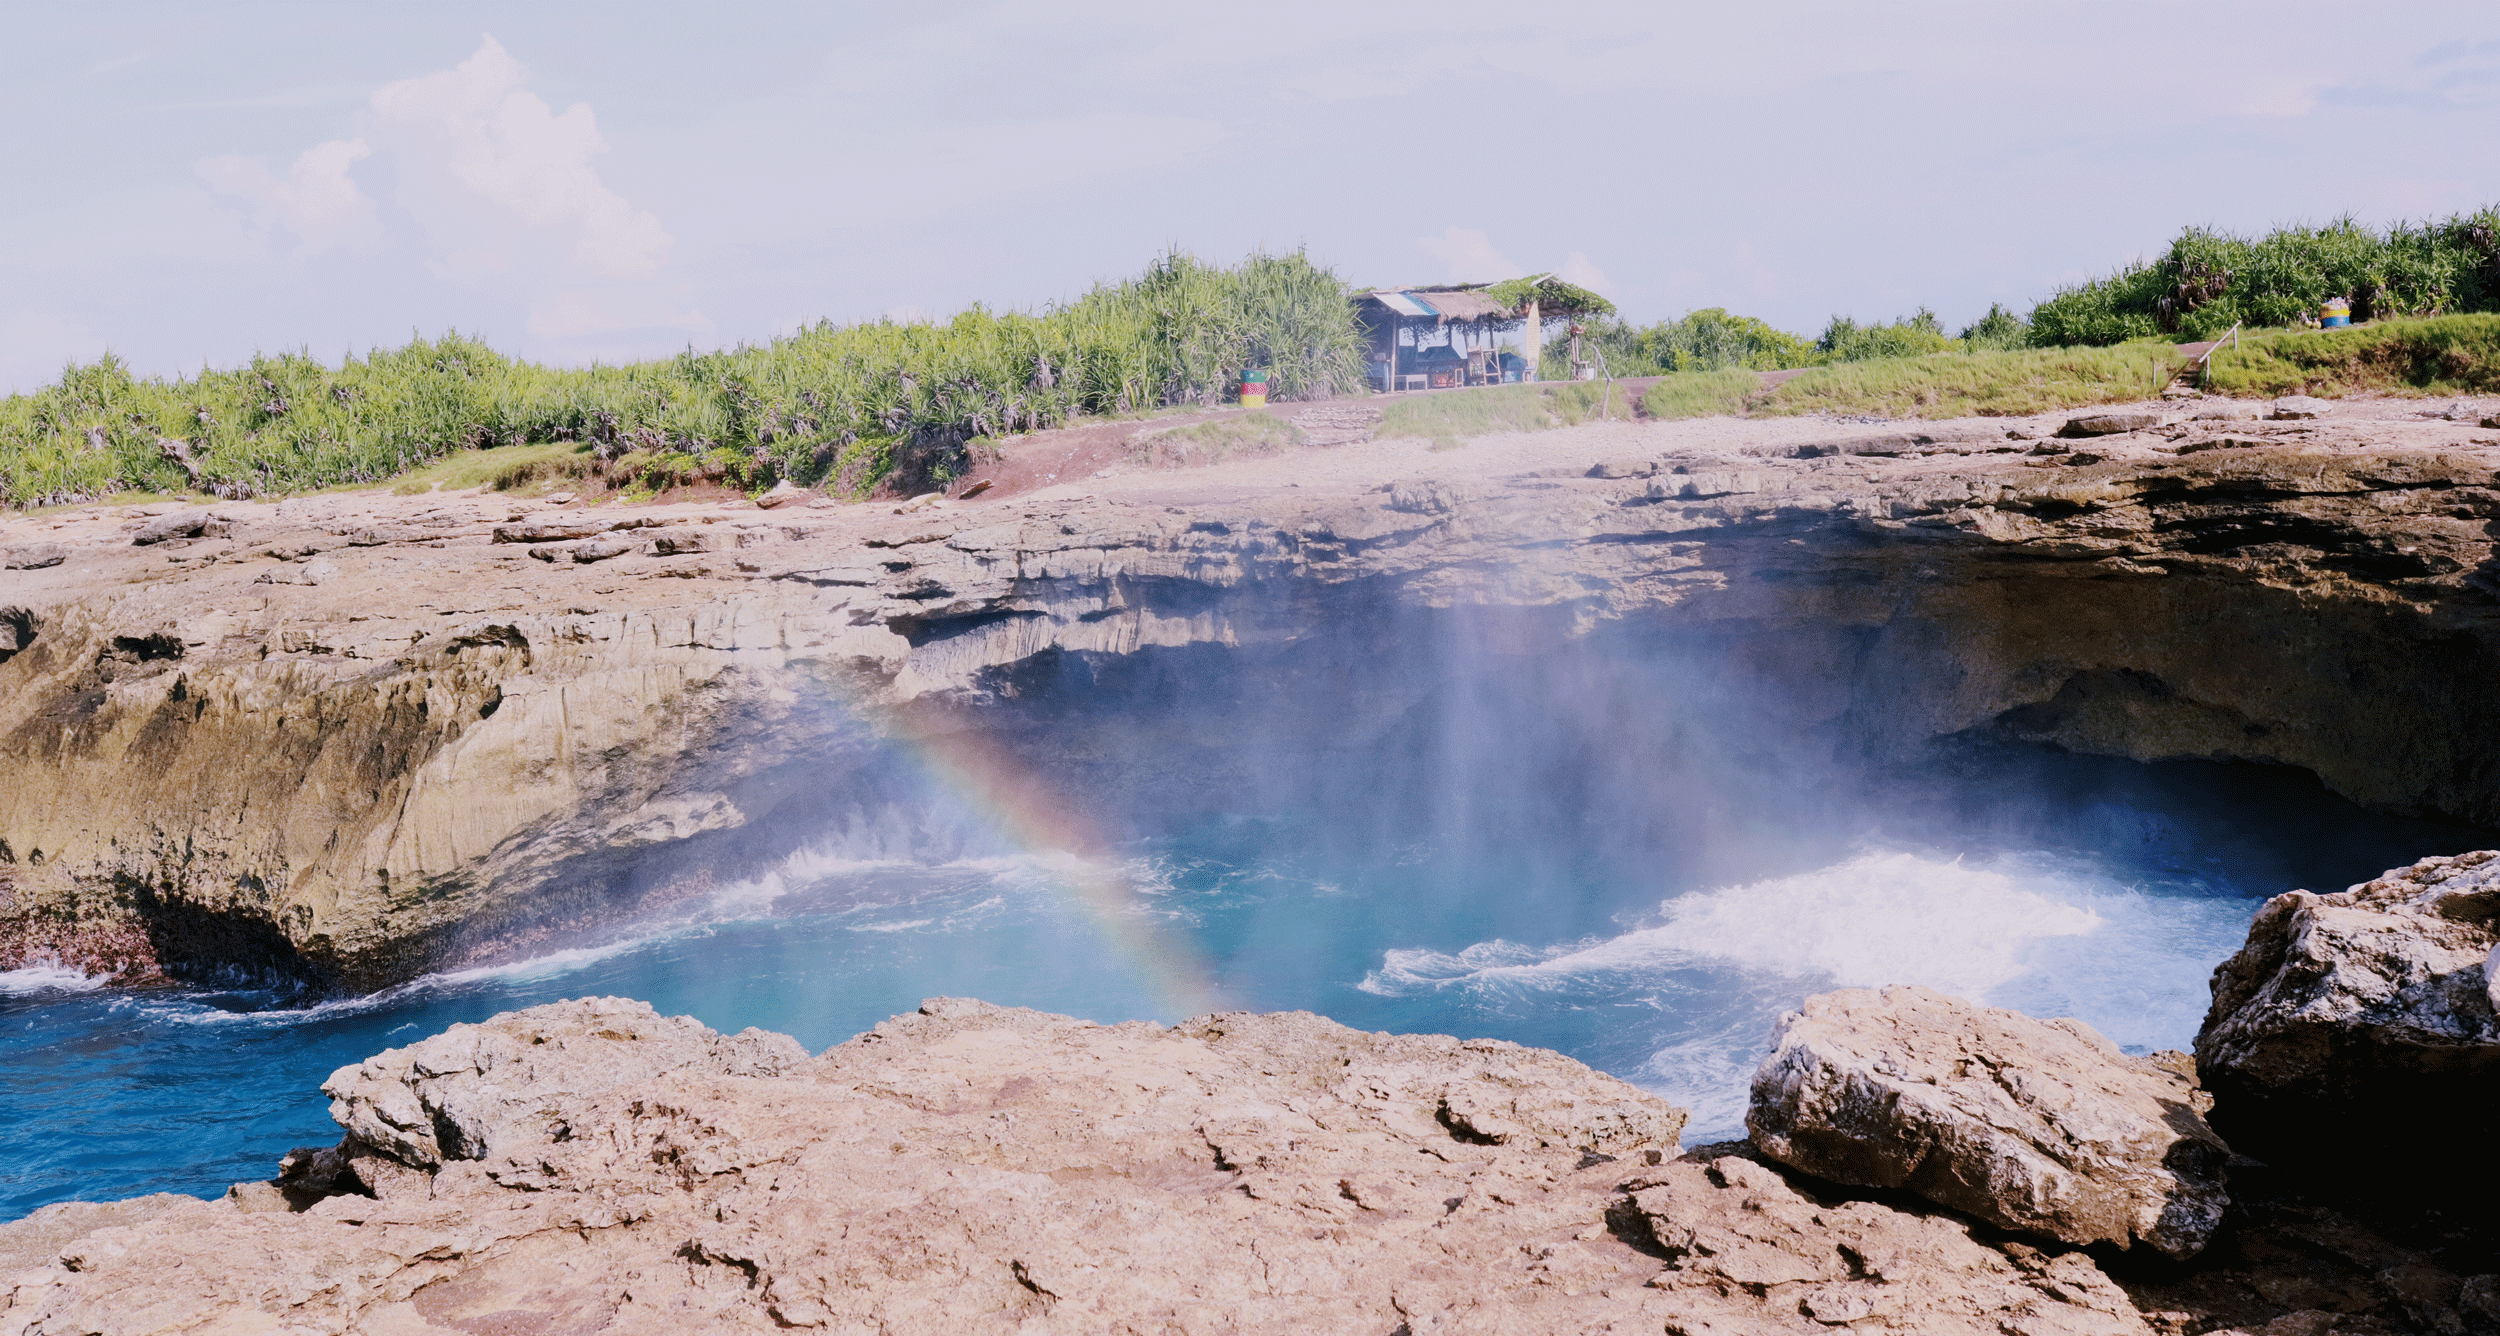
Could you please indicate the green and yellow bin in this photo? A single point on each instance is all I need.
(1254, 389)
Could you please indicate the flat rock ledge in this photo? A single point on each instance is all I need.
(2039, 1126)
(2370, 1007)
(592, 1166)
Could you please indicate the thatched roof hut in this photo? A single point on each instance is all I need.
(1478, 310)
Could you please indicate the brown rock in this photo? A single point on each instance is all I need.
(554, 528)
(2109, 424)
(593, 1164)
(1747, 1252)
(2038, 1126)
(2322, 605)
(2370, 1007)
(680, 542)
(180, 524)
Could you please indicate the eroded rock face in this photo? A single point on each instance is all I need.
(2038, 1126)
(357, 738)
(596, 1167)
(1751, 1253)
(2371, 1007)
(500, 1090)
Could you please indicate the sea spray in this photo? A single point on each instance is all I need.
(1700, 988)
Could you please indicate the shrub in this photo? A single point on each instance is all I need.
(2458, 354)
(2207, 280)
(845, 406)
(1845, 340)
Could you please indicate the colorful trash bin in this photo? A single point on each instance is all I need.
(1254, 389)
(2336, 314)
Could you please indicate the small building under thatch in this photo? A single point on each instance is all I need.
(1449, 334)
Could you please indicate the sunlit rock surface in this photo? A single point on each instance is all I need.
(2367, 1008)
(2038, 1126)
(973, 1168)
(594, 1166)
(352, 738)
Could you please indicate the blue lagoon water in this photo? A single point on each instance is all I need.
(2109, 897)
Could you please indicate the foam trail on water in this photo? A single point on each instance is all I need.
(1703, 987)
(50, 977)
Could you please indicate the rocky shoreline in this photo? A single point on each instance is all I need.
(348, 739)
(1916, 1164)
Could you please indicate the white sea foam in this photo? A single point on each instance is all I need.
(1708, 981)
(50, 977)
(1877, 918)
(535, 967)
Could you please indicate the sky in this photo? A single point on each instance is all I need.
(189, 183)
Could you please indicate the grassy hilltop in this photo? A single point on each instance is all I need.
(848, 407)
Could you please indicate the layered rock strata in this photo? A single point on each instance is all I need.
(2039, 1126)
(593, 1166)
(354, 738)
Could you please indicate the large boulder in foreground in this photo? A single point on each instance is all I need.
(592, 1166)
(2371, 1009)
(2038, 1126)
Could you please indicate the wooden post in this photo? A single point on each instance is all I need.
(1396, 321)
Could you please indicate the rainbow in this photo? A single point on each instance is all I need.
(1041, 818)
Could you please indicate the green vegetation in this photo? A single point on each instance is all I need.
(908, 405)
(1717, 340)
(2008, 383)
(527, 469)
(2208, 280)
(840, 406)
(1555, 299)
(1450, 417)
(2457, 354)
(1845, 340)
(1701, 394)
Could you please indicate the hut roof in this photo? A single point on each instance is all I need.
(1489, 303)
(1456, 304)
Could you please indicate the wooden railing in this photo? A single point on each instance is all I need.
(2205, 362)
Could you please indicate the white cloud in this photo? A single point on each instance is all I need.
(477, 126)
(1467, 256)
(317, 200)
(1578, 269)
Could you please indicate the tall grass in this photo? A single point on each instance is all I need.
(2458, 354)
(1700, 394)
(845, 406)
(1454, 415)
(2208, 280)
(2000, 383)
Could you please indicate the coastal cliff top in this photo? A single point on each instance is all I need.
(457, 542)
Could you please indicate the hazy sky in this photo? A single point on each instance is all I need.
(190, 182)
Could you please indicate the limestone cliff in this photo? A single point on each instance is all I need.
(352, 738)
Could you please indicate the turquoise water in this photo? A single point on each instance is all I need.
(2091, 889)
